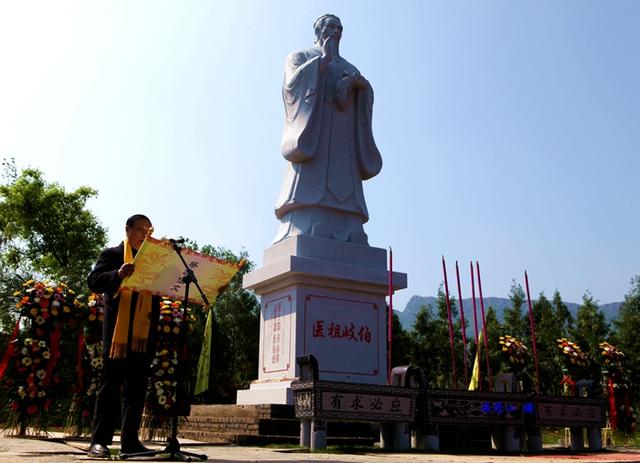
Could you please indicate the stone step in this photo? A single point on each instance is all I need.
(262, 424)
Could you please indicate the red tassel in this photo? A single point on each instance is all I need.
(55, 353)
(11, 348)
(613, 412)
(568, 380)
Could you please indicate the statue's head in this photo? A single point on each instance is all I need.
(326, 25)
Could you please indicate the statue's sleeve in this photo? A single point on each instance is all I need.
(369, 159)
(301, 92)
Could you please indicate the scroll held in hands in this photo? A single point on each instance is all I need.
(158, 269)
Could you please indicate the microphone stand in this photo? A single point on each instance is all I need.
(173, 445)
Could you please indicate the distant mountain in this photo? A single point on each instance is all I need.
(408, 315)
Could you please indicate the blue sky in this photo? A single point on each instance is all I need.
(510, 131)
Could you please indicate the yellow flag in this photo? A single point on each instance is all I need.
(204, 363)
(475, 374)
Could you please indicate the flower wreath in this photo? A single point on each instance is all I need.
(515, 351)
(576, 363)
(162, 392)
(29, 363)
(619, 392)
(89, 367)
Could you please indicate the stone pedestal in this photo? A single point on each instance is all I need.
(594, 437)
(305, 432)
(395, 437)
(511, 439)
(506, 438)
(318, 438)
(425, 438)
(534, 439)
(321, 297)
(576, 438)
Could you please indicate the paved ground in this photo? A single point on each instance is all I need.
(56, 449)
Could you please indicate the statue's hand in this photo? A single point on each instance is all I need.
(328, 48)
(343, 87)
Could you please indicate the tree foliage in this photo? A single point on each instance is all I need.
(547, 334)
(494, 330)
(45, 229)
(627, 326)
(427, 350)
(431, 347)
(515, 321)
(402, 344)
(564, 319)
(591, 326)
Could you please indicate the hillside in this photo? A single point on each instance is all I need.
(408, 315)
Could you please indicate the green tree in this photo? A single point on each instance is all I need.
(564, 319)
(591, 326)
(45, 229)
(458, 351)
(402, 344)
(431, 348)
(627, 327)
(590, 330)
(427, 350)
(10, 281)
(547, 334)
(496, 360)
(515, 321)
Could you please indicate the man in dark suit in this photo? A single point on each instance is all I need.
(130, 321)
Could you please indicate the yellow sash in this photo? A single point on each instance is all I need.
(141, 321)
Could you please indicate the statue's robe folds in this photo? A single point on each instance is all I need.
(330, 148)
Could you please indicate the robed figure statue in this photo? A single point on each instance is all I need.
(327, 140)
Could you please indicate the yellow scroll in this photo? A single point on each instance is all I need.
(160, 270)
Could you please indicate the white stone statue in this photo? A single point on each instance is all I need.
(327, 140)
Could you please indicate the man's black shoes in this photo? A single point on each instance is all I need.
(98, 451)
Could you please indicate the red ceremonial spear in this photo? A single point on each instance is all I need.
(463, 328)
(451, 343)
(475, 319)
(532, 323)
(484, 328)
(390, 322)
